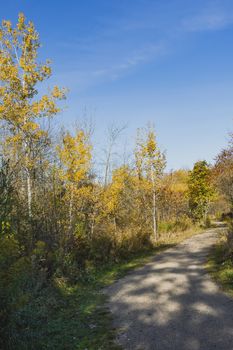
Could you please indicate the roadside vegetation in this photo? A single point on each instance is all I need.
(69, 227)
(65, 315)
(221, 260)
(220, 265)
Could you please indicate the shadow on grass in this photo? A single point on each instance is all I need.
(75, 317)
(66, 316)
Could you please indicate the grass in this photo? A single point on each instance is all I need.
(74, 317)
(220, 266)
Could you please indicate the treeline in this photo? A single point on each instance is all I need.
(57, 220)
(223, 174)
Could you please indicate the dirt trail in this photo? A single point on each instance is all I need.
(172, 304)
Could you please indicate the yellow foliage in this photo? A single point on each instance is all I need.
(19, 75)
(150, 161)
(75, 155)
(121, 178)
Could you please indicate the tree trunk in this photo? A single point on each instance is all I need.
(107, 168)
(155, 232)
(29, 193)
(154, 221)
(71, 208)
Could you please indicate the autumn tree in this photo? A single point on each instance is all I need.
(115, 195)
(223, 173)
(6, 193)
(20, 110)
(113, 133)
(75, 157)
(200, 190)
(150, 163)
(173, 199)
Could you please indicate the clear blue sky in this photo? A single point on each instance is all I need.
(133, 61)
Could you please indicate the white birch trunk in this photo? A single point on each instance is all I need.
(29, 193)
(154, 221)
(155, 233)
(71, 208)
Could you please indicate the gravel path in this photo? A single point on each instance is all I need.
(172, 304)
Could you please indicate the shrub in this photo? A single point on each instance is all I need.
(182, 224)
(207, 222)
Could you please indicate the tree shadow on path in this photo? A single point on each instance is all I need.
(172, 304)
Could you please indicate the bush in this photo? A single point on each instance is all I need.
(131, 240)
(182, 224)
(101, 247)
(208, 222)
(21, 280)
(9, 252)
(229, 240)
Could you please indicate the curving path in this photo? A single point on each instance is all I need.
(172, 304)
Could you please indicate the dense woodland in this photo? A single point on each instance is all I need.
(58, 219)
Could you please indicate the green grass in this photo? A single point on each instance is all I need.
(220, 267)
(84, 321)
(75, 317)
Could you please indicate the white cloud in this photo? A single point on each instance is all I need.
(86, 78)
(144, 55)
(208, 21)
(113, 53)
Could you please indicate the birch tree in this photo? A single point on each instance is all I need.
(150, 163)
(113, 134)
(20, 109)
(75, 156)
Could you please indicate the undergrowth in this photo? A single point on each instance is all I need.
(74, 316)
(220, 262)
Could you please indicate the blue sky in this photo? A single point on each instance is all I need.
(169, 62)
